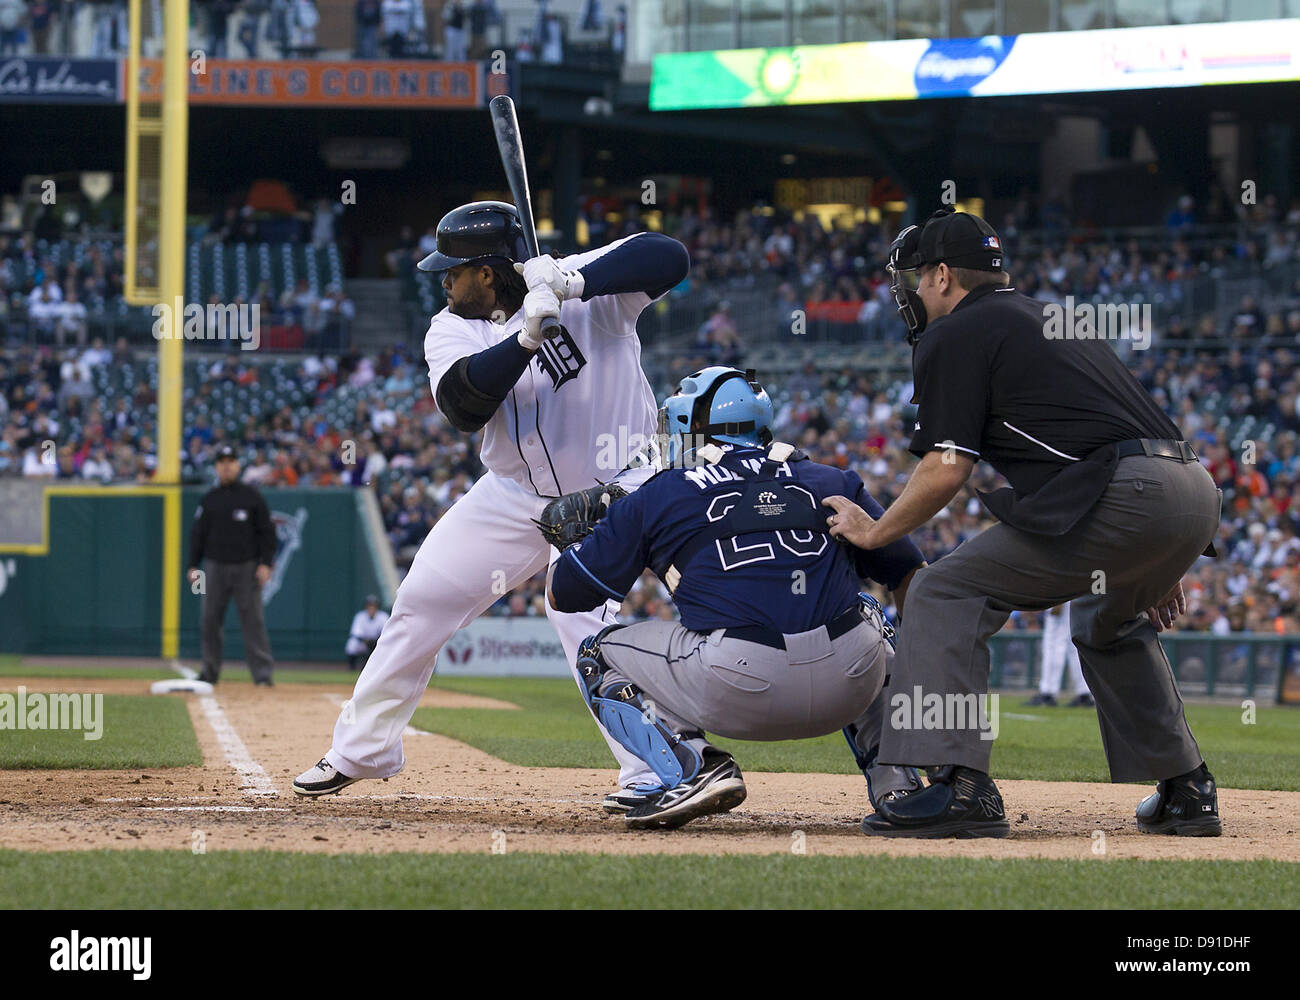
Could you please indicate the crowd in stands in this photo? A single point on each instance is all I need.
(403, 449)
(452, 30)
(1237, 402)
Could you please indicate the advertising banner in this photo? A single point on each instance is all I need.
(42, 80)
(310, 83)
(1184, 55)
(504, 647)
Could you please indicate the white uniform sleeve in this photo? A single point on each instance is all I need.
(614, 314)
(449, 339)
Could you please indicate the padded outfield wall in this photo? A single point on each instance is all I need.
(81, 571)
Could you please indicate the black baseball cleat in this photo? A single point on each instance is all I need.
(718, 788)
(960, 802)
(627, 799)
(264, 682)
(875, 821)
(1185, 806)
(1084, 700)
(1041, 701)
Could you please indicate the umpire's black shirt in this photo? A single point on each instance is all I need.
(232, 524)
(990, 384)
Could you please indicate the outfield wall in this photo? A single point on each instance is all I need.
(91, 582)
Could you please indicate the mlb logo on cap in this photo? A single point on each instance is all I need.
(991, 242)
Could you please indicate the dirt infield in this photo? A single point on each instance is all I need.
(452, 797)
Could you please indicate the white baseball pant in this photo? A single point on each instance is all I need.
(484, 546)
(1058, 648)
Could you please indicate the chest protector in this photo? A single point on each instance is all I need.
(763, 503)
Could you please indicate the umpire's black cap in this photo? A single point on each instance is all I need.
(957, 239)
(479, 231)
(226, 451)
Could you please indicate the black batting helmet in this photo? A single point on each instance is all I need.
(480, 231)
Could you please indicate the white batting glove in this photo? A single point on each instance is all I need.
(546, 271)
(539, 304)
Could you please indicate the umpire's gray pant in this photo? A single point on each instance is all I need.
(237, 580)
(1153, 520)
(704, 681)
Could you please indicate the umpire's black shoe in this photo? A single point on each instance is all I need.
(960, 802)
(718, 788)
(874, 822)
(206, 677)
(1185, 806)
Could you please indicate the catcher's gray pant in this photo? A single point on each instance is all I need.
(704, 681)
(237, 580)
(1153, 520)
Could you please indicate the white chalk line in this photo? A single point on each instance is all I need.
(253, 777)
(215, 809)
(338, 701)
(189, 673)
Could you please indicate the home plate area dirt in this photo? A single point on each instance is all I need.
(452, 797)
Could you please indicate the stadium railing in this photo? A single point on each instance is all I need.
(1238, 665)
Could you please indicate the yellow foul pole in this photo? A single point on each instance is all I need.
(171, 287)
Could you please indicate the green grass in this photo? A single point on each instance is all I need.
(555, 729)
(242, 879)
(137, 731)
(16, 666)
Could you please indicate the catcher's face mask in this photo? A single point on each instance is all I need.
(905, 277)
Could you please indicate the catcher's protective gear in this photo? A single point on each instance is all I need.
(631, 720)
(572, 517)
(715, 404)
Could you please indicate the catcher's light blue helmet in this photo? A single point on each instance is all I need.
(716, 404)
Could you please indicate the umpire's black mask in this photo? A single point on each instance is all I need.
(953, 238)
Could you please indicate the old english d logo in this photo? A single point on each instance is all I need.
(560, 358)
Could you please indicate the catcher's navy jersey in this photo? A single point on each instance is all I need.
(788, 580)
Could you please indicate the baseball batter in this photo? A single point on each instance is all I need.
(550, 410)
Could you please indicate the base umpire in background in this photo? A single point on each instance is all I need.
(233, 539)
(1107, 507)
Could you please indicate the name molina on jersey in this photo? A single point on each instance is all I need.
(560, 358)
(704, 476)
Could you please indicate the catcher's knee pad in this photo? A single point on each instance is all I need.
(630, 720)
(590, 664)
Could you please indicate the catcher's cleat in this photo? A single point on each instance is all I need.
(717, 788)
(626, 799)
(1185, 806)
(323, 778)
(960, 802)
(875, 821)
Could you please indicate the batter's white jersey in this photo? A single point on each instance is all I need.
(577, 415)
(581, 408)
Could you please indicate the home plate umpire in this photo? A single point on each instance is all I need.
(1107, 508)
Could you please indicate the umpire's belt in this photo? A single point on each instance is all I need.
(1179, 451)
(835, 628)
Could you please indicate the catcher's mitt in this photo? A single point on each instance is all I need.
(572, 517)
